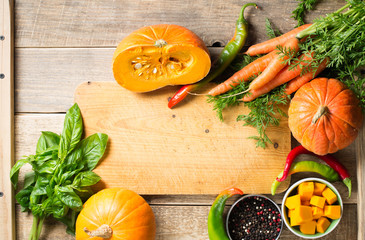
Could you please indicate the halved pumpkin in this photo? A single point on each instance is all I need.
(156, 56)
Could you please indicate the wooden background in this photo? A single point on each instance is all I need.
(61, 43)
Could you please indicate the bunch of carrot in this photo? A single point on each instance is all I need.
(273, 69)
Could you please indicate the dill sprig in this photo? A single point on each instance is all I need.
(303, 7)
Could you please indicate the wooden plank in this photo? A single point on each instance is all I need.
(186, 150)
(360, 153)
(185, 222)
(28, 128)
(47, 78)
(7, 227)
(66, 23)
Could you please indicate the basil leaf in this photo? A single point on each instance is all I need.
(84, 192)
(47, 154)
(87, 178)
(68, 174)
(47, 167)
(89, 150)
(72, 131)
(40, 186)
(29, 179)
(93, 149)
(47, 205)
(59, 209)
(47, 140)
(23, 198)
(14, 172)
(67, 195)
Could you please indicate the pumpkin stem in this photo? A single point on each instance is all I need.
(104, 231)
(160, 43)
(322, 110)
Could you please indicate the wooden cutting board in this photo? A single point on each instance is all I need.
(186, 150)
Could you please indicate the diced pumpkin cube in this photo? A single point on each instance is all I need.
(317, 212)
(293, 202)
(306, 203)
(303, 214)
(294, 220)
(305, 190)
(322, 224)
(318, 188)
(290, 212)
(332, 211)
(317, 201)
(329, 195)
(308, 227)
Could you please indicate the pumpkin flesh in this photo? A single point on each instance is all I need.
(325, 116)
(160, 55)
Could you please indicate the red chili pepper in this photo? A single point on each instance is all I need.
(290, 159)
(182, 93)
(328, 159)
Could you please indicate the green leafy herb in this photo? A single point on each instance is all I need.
(303, 7)
(340, 37)
(265, 110)
(62, 173)
(270, 31)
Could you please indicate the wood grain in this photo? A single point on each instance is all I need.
(28, 128)
(46, 78)
(7, 217)
(184, 223)
(67, 23)
(155, 150)
(85, 34)
(360, 154)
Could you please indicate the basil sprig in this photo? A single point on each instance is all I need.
(61, 173)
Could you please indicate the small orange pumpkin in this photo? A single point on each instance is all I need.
(116, 213)
(156, 56)
(325, 116)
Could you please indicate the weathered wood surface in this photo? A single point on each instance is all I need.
(61, 43)
(7, 214)
(103, 23)
(178, 216)
(360, 156)
(29, 126)
(187, 223)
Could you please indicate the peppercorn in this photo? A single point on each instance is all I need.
(261, 219)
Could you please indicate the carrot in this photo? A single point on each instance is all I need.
(244, 74)
(284, 76)
(275, 66)
(299, 81)
(270, 45)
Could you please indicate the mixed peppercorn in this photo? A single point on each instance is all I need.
(256, 218)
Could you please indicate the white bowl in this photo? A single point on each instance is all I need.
(296, 231)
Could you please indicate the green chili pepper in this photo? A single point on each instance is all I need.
(308, 166)
(229, 52)
(216, 227)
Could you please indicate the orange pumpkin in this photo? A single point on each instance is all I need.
(156, 56)
(116, 214)
(325, 116)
